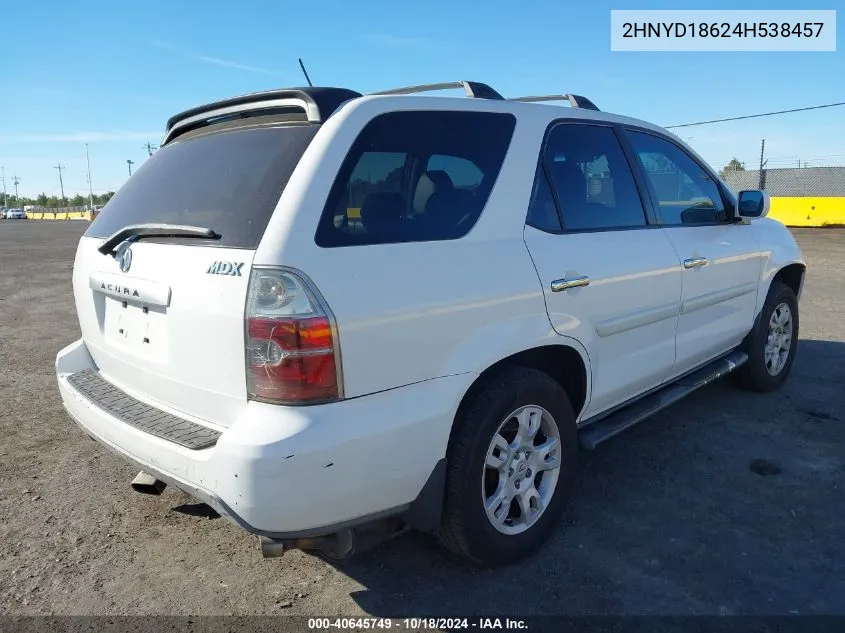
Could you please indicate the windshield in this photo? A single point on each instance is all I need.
(227, 181)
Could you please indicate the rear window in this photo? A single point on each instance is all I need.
(415, 176)
(227, 181)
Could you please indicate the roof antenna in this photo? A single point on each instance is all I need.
(305, 72)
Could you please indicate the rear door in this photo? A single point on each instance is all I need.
(721, 259)
(164, 318)
(611, 279)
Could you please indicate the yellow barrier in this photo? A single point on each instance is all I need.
(63, 215)
(808, 211)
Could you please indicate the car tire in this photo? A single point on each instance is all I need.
(772, 344)
(514, 473)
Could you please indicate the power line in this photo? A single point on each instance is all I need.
(95, 189)
(755, 116)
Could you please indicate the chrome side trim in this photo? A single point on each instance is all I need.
(719, 296)
(626, 322)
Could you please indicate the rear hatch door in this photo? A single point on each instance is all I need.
(163, 316)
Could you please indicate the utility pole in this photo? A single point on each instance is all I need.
(90, 186)
(15, 181)
(129, 163)
(3, 173)
(150, 148)
(60, 167)
(762, 179)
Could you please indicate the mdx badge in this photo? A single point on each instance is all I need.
(225, 268)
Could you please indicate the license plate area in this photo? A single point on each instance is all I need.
(136, 328)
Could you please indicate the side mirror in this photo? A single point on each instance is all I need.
(753, 203)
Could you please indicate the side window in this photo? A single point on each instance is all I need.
(684, 192)
(415, 176)
(374, 172)
(542, 211)
(592, 178)
(445, 172)
(464, 173)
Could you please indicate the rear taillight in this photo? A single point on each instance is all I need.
(290, 342)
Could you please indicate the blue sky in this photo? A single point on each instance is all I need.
(110, 73)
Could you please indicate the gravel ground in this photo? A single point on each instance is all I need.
(727, 503)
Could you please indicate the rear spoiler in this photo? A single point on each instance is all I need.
(317, 103)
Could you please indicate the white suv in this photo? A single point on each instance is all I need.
(330, 315)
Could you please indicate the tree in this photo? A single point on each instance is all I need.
(734, 165)
(54, 202)
(103, 197)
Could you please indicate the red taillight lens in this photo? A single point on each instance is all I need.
(290, 348)
(291, 360)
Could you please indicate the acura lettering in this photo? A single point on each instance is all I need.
(119, 290)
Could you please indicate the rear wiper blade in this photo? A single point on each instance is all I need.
(136, 232)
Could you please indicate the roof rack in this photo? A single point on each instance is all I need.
(317, 103)
(576, 101)
(474, 89)
(478, 90)
(320, 102)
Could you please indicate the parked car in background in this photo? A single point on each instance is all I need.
(326, 313)
(15, 214)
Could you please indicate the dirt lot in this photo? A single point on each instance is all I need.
(670, 518)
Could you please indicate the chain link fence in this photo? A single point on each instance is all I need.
(795, 182)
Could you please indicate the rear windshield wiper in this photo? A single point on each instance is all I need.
(136, 232)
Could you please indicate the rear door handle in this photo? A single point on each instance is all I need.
(565, 284)
(696, 262)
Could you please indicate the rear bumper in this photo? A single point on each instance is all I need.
(290, 472)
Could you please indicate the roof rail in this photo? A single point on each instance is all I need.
(576, 101)
(317, 103)
(474, 89)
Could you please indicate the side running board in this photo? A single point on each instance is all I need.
(605, 428)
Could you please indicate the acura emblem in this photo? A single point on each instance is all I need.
(124, 259)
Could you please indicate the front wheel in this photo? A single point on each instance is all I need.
(772, 344)
(511, 465)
